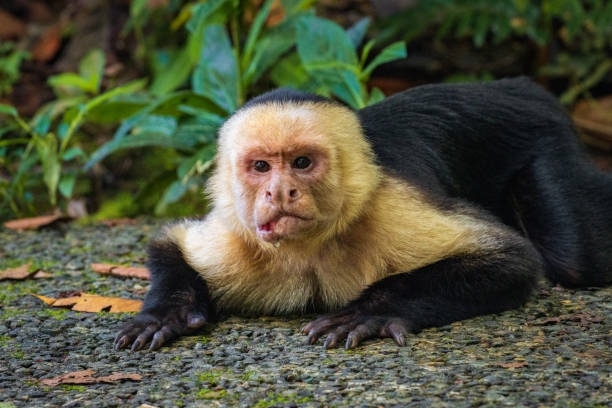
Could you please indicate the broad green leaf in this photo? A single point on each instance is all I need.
(196, 133)
(176, 74)
(349, 89)
(8, 110)
(295, 6)
(216, 75)
(72, 153)
(42, 127)
(323, 44)
(376, 96)
(392, 52)
(196, 163)
(272, 45)
(203, 12)
(70, 83)
(55, 108)
(254, 32)
(165, 125)
(117, 109)
(481, 29)
(290, 72)
(146, 139)
(91, 68)
(8, 142)
(46, 146)
(358, 31)
(66, 184)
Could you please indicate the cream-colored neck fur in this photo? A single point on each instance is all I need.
(397, 232)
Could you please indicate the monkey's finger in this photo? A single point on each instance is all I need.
(361, 332)
(398, 331)
(126, 336)
(162, 336)
(144, 337)
(195, 320)
(336, 336)
(323, 324)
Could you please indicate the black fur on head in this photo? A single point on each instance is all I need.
(284, 95)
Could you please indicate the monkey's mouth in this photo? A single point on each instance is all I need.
(281, 226)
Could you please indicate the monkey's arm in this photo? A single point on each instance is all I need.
(177, 303)
(491, 279)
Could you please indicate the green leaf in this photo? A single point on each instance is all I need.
(324, 44)
(66, 184)
(376, 95)
(216, 75)
(270, 47)
(42, 127)
(290, 72)
(91, 68)
(167, 105)
(358, 31)
(197, 163)
(480, 30)
(165, 125)
(72, 153)
(8, 110)
(254, 32)
(202, 13)
(392, 52)
(176, 74)
(46, 146)
(70, 83)
(292, 7)
(349, 89)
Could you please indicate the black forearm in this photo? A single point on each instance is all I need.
(173, 281)
(455, 288)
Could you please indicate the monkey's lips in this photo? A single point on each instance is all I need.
(281, 226)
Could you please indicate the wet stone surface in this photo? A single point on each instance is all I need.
(553, 352)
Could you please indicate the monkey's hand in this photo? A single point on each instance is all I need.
(160, 325)
(355, 327)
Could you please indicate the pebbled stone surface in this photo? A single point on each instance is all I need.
(553, 352)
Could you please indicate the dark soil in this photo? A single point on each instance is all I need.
(553, 352)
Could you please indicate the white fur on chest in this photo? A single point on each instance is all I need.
(252, 282)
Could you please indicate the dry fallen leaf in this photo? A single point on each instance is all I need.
(32, 223)
(23, 272)
(86, 377)
(87, 302)
(125, 271)
(20, 272)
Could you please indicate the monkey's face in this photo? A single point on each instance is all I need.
(285, 182)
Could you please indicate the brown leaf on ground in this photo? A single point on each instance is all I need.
(86, 377)
(23, 272)
(119, 221)
(513, 365)
(87, 302)
(33, 223)
(48, 45)
(583, 319)
(10, 26)
(19, 273)
(125, 271)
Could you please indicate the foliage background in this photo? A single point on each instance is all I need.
(111, 108)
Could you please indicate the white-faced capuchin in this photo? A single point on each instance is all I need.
(437, 204)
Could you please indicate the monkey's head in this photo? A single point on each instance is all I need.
(288, 168)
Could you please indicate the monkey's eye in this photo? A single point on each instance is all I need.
(301, 162)
(261, 166)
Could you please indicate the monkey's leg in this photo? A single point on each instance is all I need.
(177, 303)
(451, 289)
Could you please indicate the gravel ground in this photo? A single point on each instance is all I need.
(554, 352)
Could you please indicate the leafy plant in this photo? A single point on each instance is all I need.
(229, 54)
(10, 60)
(37, 142)
(223, 65)
(580, 28)
(330, 63)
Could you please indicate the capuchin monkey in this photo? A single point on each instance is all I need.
(437, 204)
